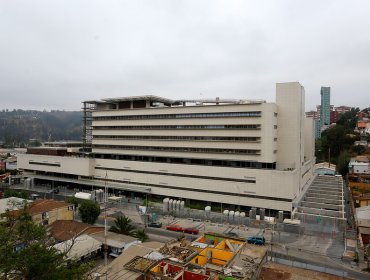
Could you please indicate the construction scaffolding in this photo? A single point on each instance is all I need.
(87, 108)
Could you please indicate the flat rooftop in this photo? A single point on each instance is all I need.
(170, 102)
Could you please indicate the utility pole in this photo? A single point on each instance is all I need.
(222, 214)
(105, 219)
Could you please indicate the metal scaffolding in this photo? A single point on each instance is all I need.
(87, 109)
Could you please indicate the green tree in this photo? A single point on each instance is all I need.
(89, 211)
(26, 252)
(334, 140)
(359, 149)
(343, 161)
(123, 226)
(141, 235)
(13, 172)
(71, 199)
(14, 193)
(349, 120)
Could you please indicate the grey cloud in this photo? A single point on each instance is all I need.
(55, 54)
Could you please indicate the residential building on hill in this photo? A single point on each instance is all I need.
(238, 152)
(47, 211)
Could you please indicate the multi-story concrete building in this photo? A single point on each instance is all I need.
(237, 152)
(325, 106)
(342, 109)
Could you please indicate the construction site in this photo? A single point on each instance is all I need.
(211, 256)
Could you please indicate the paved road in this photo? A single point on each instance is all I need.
(297, 254)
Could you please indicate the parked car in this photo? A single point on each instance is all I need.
(174, 228)
(191, 230)
(258, 240)
(155, 224)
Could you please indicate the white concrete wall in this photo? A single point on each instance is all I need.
(268, 133)
(309, 139)
(289, 98)
(68, 165)
(269, 183)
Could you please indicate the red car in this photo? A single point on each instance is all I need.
(174, 228)
(191, 230)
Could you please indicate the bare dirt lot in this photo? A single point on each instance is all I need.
(272, 271)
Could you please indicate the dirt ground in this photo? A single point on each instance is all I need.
(272, 271)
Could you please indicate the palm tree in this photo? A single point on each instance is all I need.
(122, 226)
(141, 235)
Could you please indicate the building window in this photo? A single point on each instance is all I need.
(180, 116)
(180, 149)
(179, 138)
(275, 126)
(45, 215)
(160, 127)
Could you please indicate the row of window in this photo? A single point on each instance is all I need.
(179, 149)
(190, 161)
(180, 175)
(44, 163)
(129, 127)
(191, 138)
(180, 116)
(200, 190)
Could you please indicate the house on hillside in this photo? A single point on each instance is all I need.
(47, 211)
(63, 230)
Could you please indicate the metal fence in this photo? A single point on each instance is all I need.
(303, 265)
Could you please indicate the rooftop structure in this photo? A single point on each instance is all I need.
(117, 243)
(323, 200)
(12, 203)
(63, 230)
(118, 269)
(80, 247)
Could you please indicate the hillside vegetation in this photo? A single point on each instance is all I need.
(17, 127)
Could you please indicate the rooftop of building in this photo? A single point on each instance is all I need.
(12, 203)
(363, 213)
(45, 205)
(63, 143)
(113, 239)
(363, 159)
(79, 246)
(116, 269)
(63, 230)
(172, 102)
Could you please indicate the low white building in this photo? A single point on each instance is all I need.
(356, 167)
(117, 243)
(81, 247)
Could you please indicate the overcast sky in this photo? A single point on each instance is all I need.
(55, 54)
